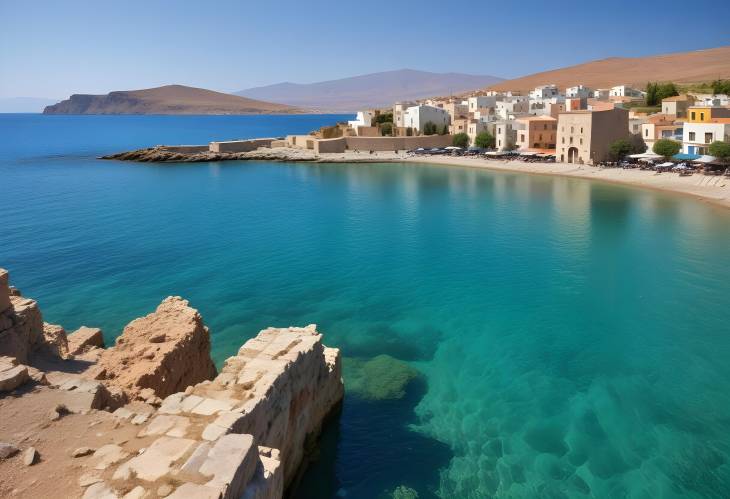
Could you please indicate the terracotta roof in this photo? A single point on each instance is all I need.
(677, 98)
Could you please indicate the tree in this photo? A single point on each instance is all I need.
(484, 140)
(461, 140)
(444, 130)
(721, 150)
(386, 128)
(384, 118)
(650, 99)
(619, 148)
(638, 145)
(655, 92)
(429, 128)
(721, 87)
(666, 148)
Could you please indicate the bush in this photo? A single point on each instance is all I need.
(444, 130)
(638, 145)
(429, 128)
(619, 148)
(484, 140)
(461, 140)
(655, 92)
(721, 150)
(721, 87)
(386, 128)
(384, 118)
(666, 148)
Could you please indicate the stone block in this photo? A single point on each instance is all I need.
(85, 338)
(156, 461)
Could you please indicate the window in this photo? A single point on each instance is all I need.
(702, 116)
(563, 140)
(581, 141)
(646, 132)
(499, 130)
(572, 129)
(708, 137)
(545, 126)
(571, 140)
(693, 115)
(691, 136)
(522, 137)
(581, 129)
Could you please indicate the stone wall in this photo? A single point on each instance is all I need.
(239, 145)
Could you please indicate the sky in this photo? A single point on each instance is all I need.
(53, 49)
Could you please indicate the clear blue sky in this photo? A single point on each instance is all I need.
(54, 48)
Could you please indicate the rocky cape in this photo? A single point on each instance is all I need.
(169, 99)
(163, 154)
(150, 416)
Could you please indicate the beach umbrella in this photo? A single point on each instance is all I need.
(452, 148)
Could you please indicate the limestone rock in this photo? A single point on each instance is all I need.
(12, 375)
(166, 351)
(4, 290)
(107, 455)
(30, 456)
(156, 461)
(21, 328)
(100, 490)
(7, 450)
(82, 451)
(84, 339)
(164, 490)
(55, 340)
(136, 493)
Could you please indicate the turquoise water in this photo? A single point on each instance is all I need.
(573, 337)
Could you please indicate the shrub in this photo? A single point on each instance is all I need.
(461, 140)
(484, 140)
(619, 148)
(429, 128)
(666, 148)
(444, 130)
(386, 128)
(384, 118)
(721, 150)
(655, 92)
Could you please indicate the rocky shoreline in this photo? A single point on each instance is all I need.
(163, 154)
(149, 416)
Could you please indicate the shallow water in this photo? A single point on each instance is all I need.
(572, 336)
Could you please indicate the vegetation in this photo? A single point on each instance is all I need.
(721, 150)
(380, 378)
(655, 92)
(720, 87)
(638, 145)
(666, 148)
(386, 128)
(444, 130)
(484, 140)
(619, 148)
(430, 128)
(461, 140)
(384, 118)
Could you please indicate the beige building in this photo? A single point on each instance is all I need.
(677, 105)
(459, 125)
(399, 110)
(585, 136)
(660, 126)
(536, 132)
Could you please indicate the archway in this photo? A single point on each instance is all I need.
(573, 155)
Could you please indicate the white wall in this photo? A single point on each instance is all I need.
(417, 116)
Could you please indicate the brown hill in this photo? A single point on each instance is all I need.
(682, 67)
(169, 99)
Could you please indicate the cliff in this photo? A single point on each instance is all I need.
(169, 99)
(150, 416)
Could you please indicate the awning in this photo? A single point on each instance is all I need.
(705, 159)
(495, 153)
(645, 155)
(665, 165)
(686, 157)
(452, 148)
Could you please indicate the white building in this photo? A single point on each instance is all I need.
(364, 118)
(399, 110)
(508, 109)
(544, 92)
(711, 100)
(545, 106)
(578, 91)
(481, 101)
(601, 93)
(624, 91)
(417, 116)
(505, 135)
(696, 137)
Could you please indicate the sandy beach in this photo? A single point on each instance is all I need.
(712, 189)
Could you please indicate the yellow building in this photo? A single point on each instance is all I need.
(705, 114)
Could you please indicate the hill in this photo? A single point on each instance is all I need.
(169, 99)
(680, 67)
(368, 91)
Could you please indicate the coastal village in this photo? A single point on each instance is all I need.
(573, 125)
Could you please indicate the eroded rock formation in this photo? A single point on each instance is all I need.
(240, 434)
(165, 351)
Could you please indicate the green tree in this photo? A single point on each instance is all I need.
(619, 148)
(666, 148)
(386, 128)
(384, 118)
(429, 128)
(721, 150)
(444, 130)
(665, 90)
(484, 140)
(638, 145)
(721, 87)
(461, 140)
(651, 91)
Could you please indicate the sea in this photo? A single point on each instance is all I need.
(503, 334)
